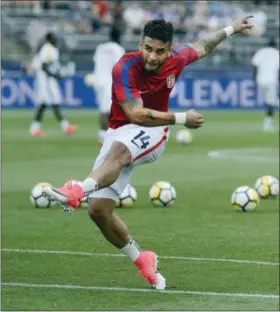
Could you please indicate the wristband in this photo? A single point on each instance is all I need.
(229, 30)
(180, 118)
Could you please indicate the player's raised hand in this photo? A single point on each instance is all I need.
(194, 119)
(242, 24)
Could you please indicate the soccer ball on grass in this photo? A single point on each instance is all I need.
(244, 198)
(37, 198)
(267, 186)
(162, 194)
(184, 136)
(127, 198)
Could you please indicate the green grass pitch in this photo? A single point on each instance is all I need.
(54, 261)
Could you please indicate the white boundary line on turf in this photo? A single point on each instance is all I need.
(144, 290)
(245, 154)
(81, 253)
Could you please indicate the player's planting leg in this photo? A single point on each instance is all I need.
(35, 129)
(115, 231)
(65, 125)
(100, 211)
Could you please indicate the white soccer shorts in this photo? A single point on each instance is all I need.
(47, 90)
(270, 93)
(145, 144)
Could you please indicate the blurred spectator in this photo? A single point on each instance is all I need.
(219, 20)
(100, 14)
(35, 31)
(102, 9)
(200, 18)
(62, 4)
(268, 2)
(45, 4)
(170, 13)
(117, 15)
(134, 16)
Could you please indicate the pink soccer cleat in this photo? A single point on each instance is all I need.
(37, 133)
(69, 195)
(70, 129)
(147, 265)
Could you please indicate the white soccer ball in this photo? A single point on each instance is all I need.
(184, 136)
(84, 202)
(37, 198)
(127, 198)
(162, 194)
(244, 198)
(267, 186)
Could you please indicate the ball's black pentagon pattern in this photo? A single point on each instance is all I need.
(164, 203)
(36, 198)
(246, 192)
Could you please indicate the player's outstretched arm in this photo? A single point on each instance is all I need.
(142, 116)
(208, 43)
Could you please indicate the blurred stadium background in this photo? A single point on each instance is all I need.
(82, 25)
(47, 256)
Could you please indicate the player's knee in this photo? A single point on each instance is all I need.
(120, 154)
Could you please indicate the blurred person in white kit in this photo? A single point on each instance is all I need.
(105, 57)
(266, 75)
(48, 71)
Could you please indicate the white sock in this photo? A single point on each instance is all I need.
(132, 250)
(89, 185)
(64, 124)
(35, 126)
(101, 135)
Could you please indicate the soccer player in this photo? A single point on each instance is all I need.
(105, 57)
(48, 71)
(138, 131)
(266, 75)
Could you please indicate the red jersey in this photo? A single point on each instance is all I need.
(131, 81)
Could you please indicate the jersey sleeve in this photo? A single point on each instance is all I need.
(256, 59)
(119, 53)
(185, 52)
(95, 55)
(124, 81)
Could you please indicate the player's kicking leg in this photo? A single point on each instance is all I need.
(106, 174)
(115, 231)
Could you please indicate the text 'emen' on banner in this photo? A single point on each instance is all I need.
(190, 91)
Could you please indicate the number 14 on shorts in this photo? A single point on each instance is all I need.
(141, 140)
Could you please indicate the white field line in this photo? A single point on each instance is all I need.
(143, 290)
(81, 253)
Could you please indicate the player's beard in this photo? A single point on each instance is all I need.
(152, 68)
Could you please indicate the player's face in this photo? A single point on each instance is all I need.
(154, 53)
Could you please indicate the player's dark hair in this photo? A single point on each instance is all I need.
(159, 29)
(115, 34)
(272, 43)
(51, 38)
